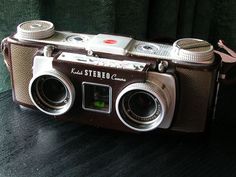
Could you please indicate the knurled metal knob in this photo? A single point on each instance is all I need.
(35, 29)
(193, 50)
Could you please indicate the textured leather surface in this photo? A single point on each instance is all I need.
(21, 70)
(145, 19)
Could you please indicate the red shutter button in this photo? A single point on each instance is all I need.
(110, 41)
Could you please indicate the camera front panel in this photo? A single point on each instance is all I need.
(96, 91)
(96, 85)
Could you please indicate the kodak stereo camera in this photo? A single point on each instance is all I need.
(113, 81)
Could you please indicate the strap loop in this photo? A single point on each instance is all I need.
(4, 51)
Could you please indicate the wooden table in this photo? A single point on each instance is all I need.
(33, 144)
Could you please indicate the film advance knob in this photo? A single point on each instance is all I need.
(35, 29)
(193, 50)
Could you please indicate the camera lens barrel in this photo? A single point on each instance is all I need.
(141, 106)
(52, 93)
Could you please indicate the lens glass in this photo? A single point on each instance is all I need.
(51, 92)
(142, 104)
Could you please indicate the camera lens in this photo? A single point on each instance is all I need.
(142, 104)
(52, 93)
(52, 90)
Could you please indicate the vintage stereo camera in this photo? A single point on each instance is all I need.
(113, 81)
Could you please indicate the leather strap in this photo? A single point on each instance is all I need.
(227, 58)
(228, 68)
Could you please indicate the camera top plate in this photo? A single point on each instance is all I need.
(184, 50)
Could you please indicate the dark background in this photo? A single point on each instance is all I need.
(144, 19)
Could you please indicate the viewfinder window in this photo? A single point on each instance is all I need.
(97, 97)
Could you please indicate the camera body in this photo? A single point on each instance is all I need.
(113, 81)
